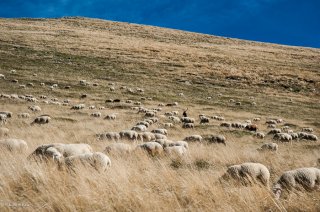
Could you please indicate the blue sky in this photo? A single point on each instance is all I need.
(290, 22)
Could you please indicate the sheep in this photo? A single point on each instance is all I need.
(145, 123)
(139, 128)
(14, 145)
(153, 119)
(147, 136)
(307, 178)
(43, 119)
(248, 172)
(188, 125)
(204, 120)
(118, 149)
(153, 148)
(150, 114)
(252, 127)
(256, 119)
(259, 135)
(269, 147)
(78, 107)
(187, 120)
(160, 131)
(159, 136)
(193, 138)
(4, 131)
(175, 151)
(2, 76)
(174, 119)
(167, 125)
(271, 121)
(284, 137)
(238, 125)
(272, 126)
(178, 143)
(307, 136)
(294, 136)
(3, 119)
(92, 107)
(225, 124)
(162, 142)
(109, 135)
(307, 129)
(23, 115)
(7, 113)
(97, 160)
(129, 101)
(274, 131)
(129, 134)
(218, 118)
(96, 114)
(220, 139)
(34, 108)
(58, 150)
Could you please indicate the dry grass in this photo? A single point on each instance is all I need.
(161, 61)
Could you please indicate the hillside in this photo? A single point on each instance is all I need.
(149, 67)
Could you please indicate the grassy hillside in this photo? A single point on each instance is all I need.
(282, 81)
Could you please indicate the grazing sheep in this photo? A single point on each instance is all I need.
(91, 107)
(150, 114)
(307, 129)
(272, 126)
(14, 145)
(129, 134)
(307, 136)
(4, 131)
(274, 131)
(34, 108)
(167, 125)
(109, 136)
(269, 147)
(220, 139)
(118, 149)
(139, 128)
(97, 160)
(160, 131)
(146, 136)
(204, 120)
(307, 178)
(256, 119)
(193, 138)
(283, 137)
(252, 127)
(271, 121)
(153, 148)
(225, 124)
(294, 136)
(248, 172)
(78, 107)
(188, 125)
(96, 114)
(238, 125)
(174, 119)
(153, 119)
(179, 143)
(2, 76)
(260, 135)
(7, 113)
(145, 123)
(159, 136)
(23, 115)
(162, 142)
(187, 120)
(43, 119)
(59, 150)
(175, 151)
(3, 119)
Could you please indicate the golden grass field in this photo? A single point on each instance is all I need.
(283, 80)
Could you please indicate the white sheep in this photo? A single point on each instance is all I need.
(167, 125)
(129, 134)
(159, 136)
(274, 131)
(220, 139)
(188, 125)
(178, 143)
(3, 119)
(307, 178)
(193, 138)
(96, 114)
(307, 129)
(109, 135)
(225, 124)
(269, 147)
(97, 160)
(118, 149)
(139, 128)
(175, 151)
(145, 123)
(35, 108)
(146, 136)
(14, 145)
(2, 76)
(111, 116)
(284, 137)
(43, 119)
(187, 120)
(153, 148)
(78, 107)
(23, 115)
(248, 172)
(174, 119)
(160, 131)
(260, 135)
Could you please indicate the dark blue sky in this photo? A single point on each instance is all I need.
(291, 22)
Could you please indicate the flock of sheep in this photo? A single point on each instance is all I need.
(156, 142)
